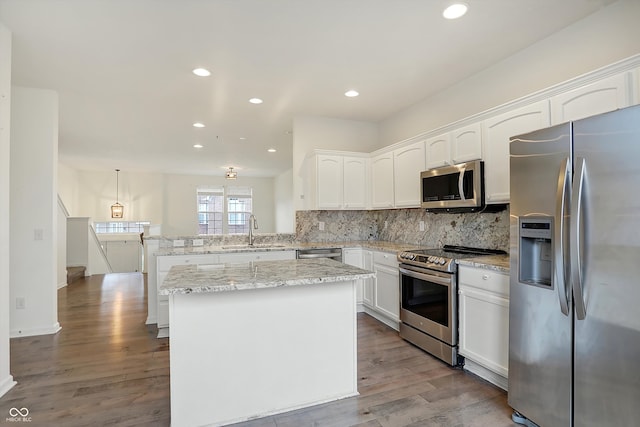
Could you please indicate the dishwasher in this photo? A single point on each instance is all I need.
(333, 253)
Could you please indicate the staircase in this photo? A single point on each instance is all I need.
(75, 273)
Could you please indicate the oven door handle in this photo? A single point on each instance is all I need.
(428, 277)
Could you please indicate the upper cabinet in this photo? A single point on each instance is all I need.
(408, 162)
(438, 151)
(457, 146)
(605, 95)
(337, 181)
(466, 143)
(382, 181)
(496, 132)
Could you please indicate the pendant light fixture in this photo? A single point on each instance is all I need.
(117, 210)
(231, 174)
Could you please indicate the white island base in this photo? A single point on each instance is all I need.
(240, 355)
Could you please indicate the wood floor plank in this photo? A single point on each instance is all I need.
(106, 368)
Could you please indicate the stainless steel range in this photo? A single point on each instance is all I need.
(429, 298)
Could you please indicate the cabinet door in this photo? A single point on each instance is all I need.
(438, 151)
(408, 162)
(602, 96)
(466, 143)
(496, 132)
(382, 181)
(329, 181)
(353, 256)
(484, 329)
(387, 291)
(355, 183)
(368, 284)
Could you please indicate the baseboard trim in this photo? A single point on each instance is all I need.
(19, 333)
(62, 285)
(6, 385)
(151, 320)
(486, 374)
(382, 318)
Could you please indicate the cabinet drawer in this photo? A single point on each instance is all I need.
(487, 280)
(385, 258)
(166, 262)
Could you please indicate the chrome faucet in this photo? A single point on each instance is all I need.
(253, 224)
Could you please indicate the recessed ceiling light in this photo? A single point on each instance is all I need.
(198, 125)
(255, 101)
(198, 145)
(455, 11)
(202, 72)
(271, 150)
(351, 93)
(242, 138)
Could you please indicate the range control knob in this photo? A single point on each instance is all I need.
(442, 261)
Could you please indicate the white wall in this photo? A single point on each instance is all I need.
(282, 192)
(61, 246)
(68, 187)
(33, 211)
(164, 199)
(607, 36)
(6, 380)
(332, 134)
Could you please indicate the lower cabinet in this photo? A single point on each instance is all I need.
(385, 298)
(484, 322)
(354, 257)
(367, 284)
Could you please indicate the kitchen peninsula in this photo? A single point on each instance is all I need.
(239, 332)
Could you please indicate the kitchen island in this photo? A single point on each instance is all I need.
(259, 338)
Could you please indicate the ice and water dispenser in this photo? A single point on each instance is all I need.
(536, 260)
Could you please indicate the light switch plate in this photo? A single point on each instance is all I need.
(198, 242)
(178, 243)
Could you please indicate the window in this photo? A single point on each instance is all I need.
(239, 208)
(220, 213)
(210, 210)
(120, 226)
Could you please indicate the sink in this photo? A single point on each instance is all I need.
(258, 246)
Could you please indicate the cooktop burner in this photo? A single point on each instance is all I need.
(443, 259)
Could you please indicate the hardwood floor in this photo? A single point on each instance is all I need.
(105, 367)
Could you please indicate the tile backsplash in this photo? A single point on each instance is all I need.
(484, 230)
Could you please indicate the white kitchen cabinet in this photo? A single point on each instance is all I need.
(602, 96)
(386, 289)
(354, 257)
(466, 143)
(484, 322)
(367, 284)
(256, 256)
(438, 151)
(336, 181)
(163, 265)
(382, 181)
(354, 187)
(496, 132)
(408, 162)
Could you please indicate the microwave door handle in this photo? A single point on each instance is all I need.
(576, 219)
(558, 238)
(461, 182)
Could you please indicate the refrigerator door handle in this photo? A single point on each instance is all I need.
(558, 238)
(461, 182)
(576, 219)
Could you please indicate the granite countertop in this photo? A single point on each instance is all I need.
(185, 279)
(490, 262)
(391, 247)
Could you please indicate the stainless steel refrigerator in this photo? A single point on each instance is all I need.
(574, 310)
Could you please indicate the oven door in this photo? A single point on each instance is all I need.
(428, 302)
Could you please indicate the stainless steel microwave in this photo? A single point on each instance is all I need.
(456, 188)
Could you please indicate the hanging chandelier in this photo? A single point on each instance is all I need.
(117, 210)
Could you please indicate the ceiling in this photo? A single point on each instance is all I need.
(128, 99)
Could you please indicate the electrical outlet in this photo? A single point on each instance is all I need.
(38, 234)
(21, 303)
(178, 243)
(321, 225)
(386, 223)
(421, 225)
